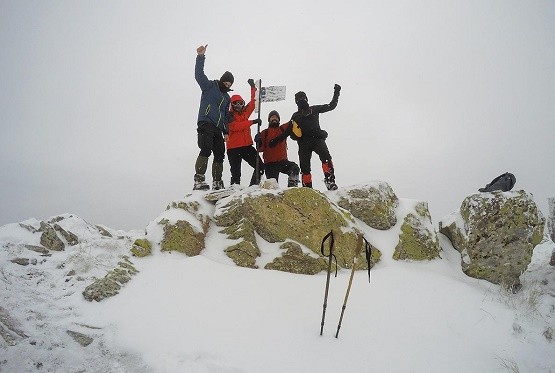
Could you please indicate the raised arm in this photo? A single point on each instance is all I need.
(200, 76)
(333, 103)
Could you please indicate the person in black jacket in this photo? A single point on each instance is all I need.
(313, 138)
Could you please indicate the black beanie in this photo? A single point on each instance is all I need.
(273, 112)
(227, 77)
(299, 95)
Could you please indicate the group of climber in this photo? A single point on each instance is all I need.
(223, 121)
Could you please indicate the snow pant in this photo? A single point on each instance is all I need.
(318, 146)
(250, 155)
(273, 169)
(209, 140)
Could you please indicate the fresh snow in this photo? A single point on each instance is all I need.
(204, 314)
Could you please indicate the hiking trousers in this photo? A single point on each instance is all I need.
(250, 155)
(306, 147)
(273, 169)
(210, 140)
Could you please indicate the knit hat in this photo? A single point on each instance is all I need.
(227, 77)
(273, 112)
(300, 95)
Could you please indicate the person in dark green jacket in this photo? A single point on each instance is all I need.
(211, 123)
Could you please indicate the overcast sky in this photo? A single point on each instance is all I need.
(99, 103)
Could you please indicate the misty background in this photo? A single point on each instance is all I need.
(98, 102)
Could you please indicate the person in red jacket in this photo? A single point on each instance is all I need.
(239, 142)
(274, 152)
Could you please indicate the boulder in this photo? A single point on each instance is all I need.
(418, 239)
(69, 237)
(187, 230)
(374, 203)
(49, 239)
(303, 215)
(496, 234)
(293, 260)
(141, 247)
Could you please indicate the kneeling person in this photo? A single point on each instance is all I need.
(273, 146)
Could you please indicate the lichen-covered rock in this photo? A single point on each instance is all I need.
(374, 204)
(293, 260)
(109, 285)
(188, 232)
(496, 234)
(303, 215)
(141, 248)
(244, 254)
(69, 237)
(418, 239)
(182, 237)
(49, 239)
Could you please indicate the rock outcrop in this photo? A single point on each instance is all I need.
(375, 204)
(185, 227)
(302, 215)
(418, 238)
(496, 234)
(109, 285)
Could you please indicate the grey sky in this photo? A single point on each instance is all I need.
(98, 99)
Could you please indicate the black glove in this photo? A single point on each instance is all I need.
(257, 121)
(257, 140)
(251, 82)
(336, 88)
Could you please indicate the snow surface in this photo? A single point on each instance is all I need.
(204, 314)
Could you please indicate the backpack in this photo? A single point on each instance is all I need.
(296, 131)
(503, 183)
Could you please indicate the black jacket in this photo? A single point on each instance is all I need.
(309, 119)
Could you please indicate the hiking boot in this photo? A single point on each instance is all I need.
(217, 184)
(293, 180)
(199, 183)
(330, 184)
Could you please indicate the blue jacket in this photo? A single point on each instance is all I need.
(214, 104)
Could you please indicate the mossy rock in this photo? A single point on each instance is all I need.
(109, 285)
(244, 254)
(141, 248)
(293, 260)
(417, 240)
(374, 204)
(303, 215)
(496, 236)
(182, 237)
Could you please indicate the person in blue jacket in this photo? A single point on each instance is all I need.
(212, 123)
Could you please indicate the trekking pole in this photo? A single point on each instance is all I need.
(358, 249)
(330, 236)
(257, 168)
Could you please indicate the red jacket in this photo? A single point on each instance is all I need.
(278, 152)
(240, 126)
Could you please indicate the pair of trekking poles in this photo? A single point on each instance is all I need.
(331, 255)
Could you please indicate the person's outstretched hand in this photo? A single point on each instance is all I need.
(202, 49)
